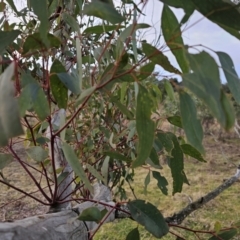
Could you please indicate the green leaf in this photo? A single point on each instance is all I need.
(176, 121)
(5, 159)
(172, 35)
(146, 182)
(165, 141)
(9, 110)
(75, 164)
(144, 125)
(230, 74)
(117, 156)
(145, 71)
(71, 21)
(154, 156)
(176, 164)
(205, 83)
(122, 108)
(104, 11)
(59, 90)
(96, 174)
(162, 182)
(3, 136)
(69, 82)
(225, 235)
(101, 29)
(222, 13)
(37, 153)
(169, 89)
(33, 95)
(7, 37)
(133, 235)
(191, 124)
(149, 216)
(217, 227)
(129, 31)
(192, 152)
(228, 110)
(85, 93)
(62, 177)
(157, 57)
(91, 214)
(34, 42)
(40, 8)
(187, 6)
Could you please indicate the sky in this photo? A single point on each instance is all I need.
(204, 32)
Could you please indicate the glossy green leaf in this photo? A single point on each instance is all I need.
(205, 83)
(158, 57)
(192, 152)
(7, 37)
(34, 42)
(176, 121)
(191, 124)
(9, 109)
(96, 174)
(133, 235)
(69, 82)
(5, 159)
(230, 74)
(144, 125)
(104, 11)
(162, 182)
(149, 216)
(74, 162)
(172, 34)
(40, 8)
(117, 156)
(37, 153)
(225, 235)
(91, 214)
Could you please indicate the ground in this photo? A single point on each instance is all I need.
(223, 157)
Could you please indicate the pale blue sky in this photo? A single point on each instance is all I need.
(204, 32)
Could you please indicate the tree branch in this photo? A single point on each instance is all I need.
(181, 215)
